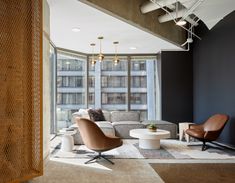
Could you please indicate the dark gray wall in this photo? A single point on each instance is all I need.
(177, 86)
(214, 75)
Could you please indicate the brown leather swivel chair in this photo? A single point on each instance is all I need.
(95, 139)
(209, 130)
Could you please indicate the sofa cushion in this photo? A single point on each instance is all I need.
(122, 128)
(117, 116)
(106, 115)
(125, 123)
(96, 115)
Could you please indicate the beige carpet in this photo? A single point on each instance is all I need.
(196, 172)
(74, 171)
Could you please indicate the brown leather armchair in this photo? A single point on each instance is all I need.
(209, 130)
(95, 139)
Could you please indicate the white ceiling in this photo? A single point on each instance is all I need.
(66, 14)
(212, 11)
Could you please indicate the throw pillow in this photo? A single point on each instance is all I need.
(96, 115)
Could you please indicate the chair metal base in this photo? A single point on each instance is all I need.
(206, 146)
(217, 146)
(99, 156)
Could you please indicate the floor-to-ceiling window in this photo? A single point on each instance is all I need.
(138, 96)
(129, 85)
(114, 84)
(71, 71)
(53, 55)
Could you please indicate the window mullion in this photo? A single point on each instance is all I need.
(128, 99)
(86, 80)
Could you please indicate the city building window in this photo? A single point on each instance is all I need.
(69, 62)
(70, 98)
(70, 81)
(114, 98)
(109, 66)
(91, 99)
(139, 98)
(138, 81)
(138, 64)
(114, 81)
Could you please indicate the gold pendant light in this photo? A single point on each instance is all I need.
(116, 59)
(93, 61)
(100, 56)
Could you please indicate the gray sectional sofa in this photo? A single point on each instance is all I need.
(119, 123)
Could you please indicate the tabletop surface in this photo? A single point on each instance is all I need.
(145, 133)
(67, 131)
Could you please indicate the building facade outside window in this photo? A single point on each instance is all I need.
(71, 69)
(138, 84)
(107, 85)
(114, 84)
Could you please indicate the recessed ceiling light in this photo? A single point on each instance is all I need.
(132, 48)
(181, 22)
(76, 29)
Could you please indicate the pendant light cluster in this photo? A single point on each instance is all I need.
(100, 56)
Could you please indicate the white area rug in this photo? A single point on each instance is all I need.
(126, 151)
(181, 150)
(170, 149)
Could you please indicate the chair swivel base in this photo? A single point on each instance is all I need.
(214, 146)
(204, 146)
(99, 156)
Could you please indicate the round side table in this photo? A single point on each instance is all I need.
(182, 127)
(67, 142)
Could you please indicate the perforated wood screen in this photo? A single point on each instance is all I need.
(20, 89)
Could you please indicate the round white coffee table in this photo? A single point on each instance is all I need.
(149, 140)
(67, 143)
